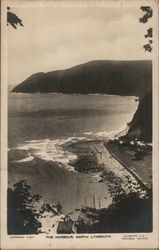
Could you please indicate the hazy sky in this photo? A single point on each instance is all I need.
(60, 37)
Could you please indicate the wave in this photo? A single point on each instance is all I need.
(108, 135)
(49, 150)
(30, 158)
(52, 150)
(88, 133)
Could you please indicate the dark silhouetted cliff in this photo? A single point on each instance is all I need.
(111, 77)
(141, 124)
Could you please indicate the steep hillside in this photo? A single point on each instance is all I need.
(111, 77)
(141, 124)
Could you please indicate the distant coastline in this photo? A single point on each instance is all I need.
(94, 77)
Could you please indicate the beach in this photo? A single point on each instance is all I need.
(100, 156)
(62, 150)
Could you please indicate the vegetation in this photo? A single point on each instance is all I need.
(13, 19)
(87, 163)
(22, 213)
(147, 14)
(127, 213)
(141, 124)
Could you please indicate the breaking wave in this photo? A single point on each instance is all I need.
(49, 150)
(52, 150)
(108, 135)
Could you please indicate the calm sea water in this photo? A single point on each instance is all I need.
(38, 124)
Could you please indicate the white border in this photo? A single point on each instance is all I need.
(40, 242)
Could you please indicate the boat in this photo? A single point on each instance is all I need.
(91, 211)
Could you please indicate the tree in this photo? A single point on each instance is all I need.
(127, 213)
(13, 19)
(148, 14)
(22, 213)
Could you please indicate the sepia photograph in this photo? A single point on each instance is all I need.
(80, 139)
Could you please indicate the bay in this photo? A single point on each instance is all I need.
(38, 124)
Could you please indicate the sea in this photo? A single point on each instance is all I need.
(38, 126)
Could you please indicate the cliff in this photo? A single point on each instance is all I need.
(102, 76)
(141, 124)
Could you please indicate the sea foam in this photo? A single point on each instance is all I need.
(48, 150)
(52, 150)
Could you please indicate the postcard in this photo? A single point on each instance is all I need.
(79, 124)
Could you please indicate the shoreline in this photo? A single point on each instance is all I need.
(106, 167)
(140, 181)
(102, 162)
(99, 158)
(140, 168)
(60, 93)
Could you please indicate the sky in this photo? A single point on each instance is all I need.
(61, 37)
